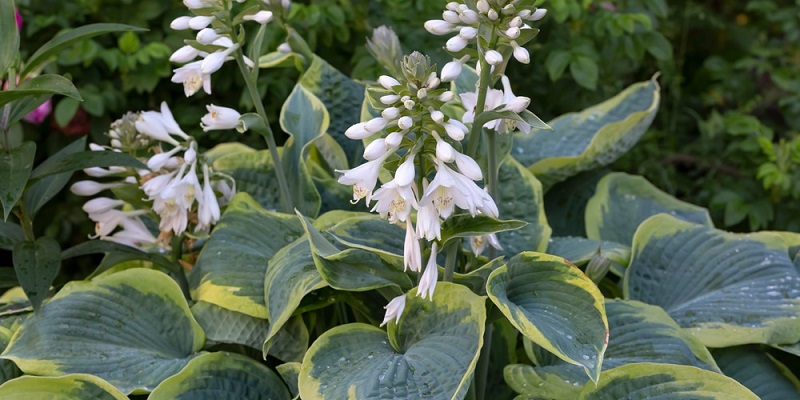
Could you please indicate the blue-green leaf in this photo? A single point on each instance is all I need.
(15, 168)
(36, 265)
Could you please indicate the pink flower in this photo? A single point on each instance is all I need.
(19, 18)
(38, 115)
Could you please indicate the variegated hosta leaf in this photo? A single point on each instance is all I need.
(759, 372)
(520, 198)
(430, 354)
(291, 275)
(646, 381)
(290, 373)
(67, 387)
(342, 98)
(253, 170)
(221, 376)
(555, 305)
(352, 269)
(230, 270)
(132, 328)
(565, 202)
(727, 289)
(589, 139)
(580, 251)
(373, 233)
(225, 326)
(637, 333)
(305, 119)
(623, 201)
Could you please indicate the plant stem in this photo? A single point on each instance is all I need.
(450, 261)
(492, 180)
(25, 222)
(286, 195)
(483, 89)
(482, 369)
(180, 275)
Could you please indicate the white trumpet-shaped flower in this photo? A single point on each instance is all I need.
(192, 77)
(394, 202)
(412, 254)
(364, 177)
(219, 118)
(394, 310)
(427, 284)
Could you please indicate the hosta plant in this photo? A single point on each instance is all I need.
(421, 236)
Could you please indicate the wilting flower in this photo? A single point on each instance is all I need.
(394, 310)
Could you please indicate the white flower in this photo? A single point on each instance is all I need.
(449, 189)
(455, 129)
(200, 22)
(444, 151)
(451, 17)
(364, 177)
(468, 166)
(483, 6)
(91, 188)
(468, 33)
(262, 17)
(134, 234)
(439, 27)
(160, 125)
(184, 54)
(478, 243)
(493, 57)
(213, 62)
(493, 15)
(412, 254)
(388, 82)
(390, 113)
(512, 33)
(394, 202)
(428, 224)
(427, 284)
(513, 103)
(538, 14)
(358, 131)
(180, 23)
(393, 139)
(405, 172)
(469, 17)
(390, 99)
(451, 71)
(207, 36)
(446, 96)
(97, 172)
(192, 77)
(376, 124)
(158, 161)
(456, 44)
(284, 48)
(521, 53)
(394, 310)
(157, 184)
(375, 149)
(207, 206)
(405, 123)
(219, 118)
(101, 205)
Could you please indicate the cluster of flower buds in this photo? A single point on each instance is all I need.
(507, 20)
(215, 41)
(419, 139)
(171, 183)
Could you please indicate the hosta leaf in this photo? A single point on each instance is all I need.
(757, 371)
(120, 252)
(521, 199)
(623, 201)
(580, 251)
(465, 225)
(589, 139)
(565, 203)
(230, 270)
(225, 326)
(67, 387)
(15, 168)
(36, 265)
(221, 376)
(352, 269)
(373, 233)
(291, 274)
(637, 333)
(110, 328)
(305, 118)
(645, 381)
(342, 98)
(252, 169)
(430, 354)
(290, 373)
(552, 303)
(727, 289)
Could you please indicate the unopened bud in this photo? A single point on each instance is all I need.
(598, 267)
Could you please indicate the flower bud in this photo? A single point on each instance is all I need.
(492, 14)
(375, 149)
(437, 116)
(598, 267)
(405, 123)
(469, 17)
(200, 22)
(439, 27)
(446, 96)
(393, 139)
(388, 82)
(422, 93)
(468, 33)
(390, 113)
(444, 151)
(409, 104)
(454, 130)
(101, 205)
(91, 188)
(207, 36)
(520, 53)
(451, 71)
(213, 62)
(284, 48)
(493, 57)
(483, 6)
(262, 17)
(468, 167)
(376, 124)
(180, 23)
(405, 173)
(538, 14)
(512, 32)
(516, 22)
(456, 44)
(184, 55)
(357, 132)
(451, 17)
(390, 99)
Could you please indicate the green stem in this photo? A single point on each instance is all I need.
(450, 261)
(483, 90)
(286, 196)
(26, 222)
(492, 180)
(482, 369)
(180, 275)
